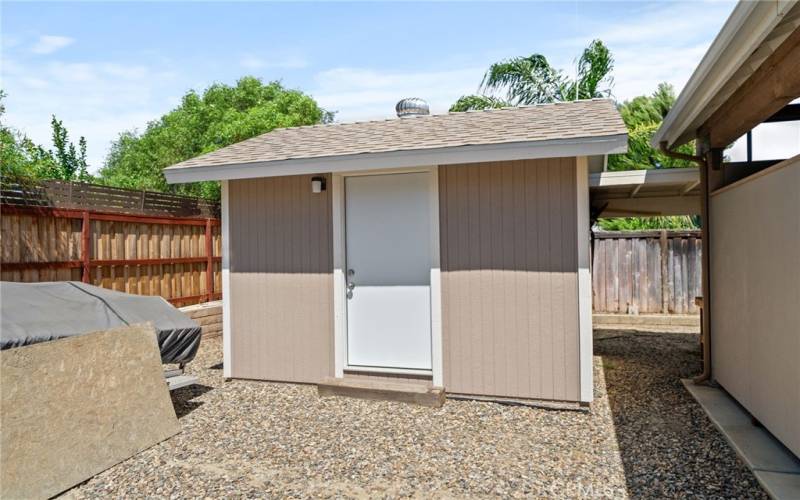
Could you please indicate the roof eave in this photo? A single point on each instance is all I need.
(555, 148)
(746, 28)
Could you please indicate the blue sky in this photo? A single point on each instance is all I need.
(108, 67)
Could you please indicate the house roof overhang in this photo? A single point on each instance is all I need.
(554, 148)
(751, 35)
(645, 193)
(578, 128)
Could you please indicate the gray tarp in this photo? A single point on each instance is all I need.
(38, 312)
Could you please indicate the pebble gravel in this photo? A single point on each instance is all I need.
(644, 437)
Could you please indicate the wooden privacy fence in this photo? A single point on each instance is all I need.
(131, 241)
(646, 271)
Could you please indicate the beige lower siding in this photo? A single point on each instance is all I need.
(755, 296)
(281, 280)
(509, 279)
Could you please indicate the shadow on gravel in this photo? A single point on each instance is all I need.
(668, 447)
(182, 398)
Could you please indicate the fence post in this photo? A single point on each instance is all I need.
(209, 262)
(664, 273)
(85, 246)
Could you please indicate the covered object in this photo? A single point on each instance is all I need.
(38, 312)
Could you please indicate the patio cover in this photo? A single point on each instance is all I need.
(38, 312)
(645, 193)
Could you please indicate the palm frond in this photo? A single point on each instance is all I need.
(645, 223)
(477, 102)
(594, 70)
(525, 80)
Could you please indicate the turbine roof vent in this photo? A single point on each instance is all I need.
(412, 106)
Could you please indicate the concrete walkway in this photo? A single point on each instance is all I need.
(613, 321)
(775, 467)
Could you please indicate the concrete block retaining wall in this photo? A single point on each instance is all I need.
(209, 315)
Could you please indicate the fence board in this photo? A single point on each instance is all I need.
(629, 268)
(75, 195)
(42, 240)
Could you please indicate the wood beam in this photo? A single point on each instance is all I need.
(689, 187)
(210, 261)
(770, 88)
(87, 264)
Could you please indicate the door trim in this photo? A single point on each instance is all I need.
(339, 286)
(585, 350)
(227, 347)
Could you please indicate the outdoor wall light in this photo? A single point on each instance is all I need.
(317, 184)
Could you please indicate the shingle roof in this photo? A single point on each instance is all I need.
(568, 120)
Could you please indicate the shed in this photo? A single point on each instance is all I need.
(751, 211)
(447, 250)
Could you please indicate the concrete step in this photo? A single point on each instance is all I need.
(380, 390)
(178, 381)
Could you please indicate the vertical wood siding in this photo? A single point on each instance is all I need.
(509, 279)
(755, 296)
(281, 280)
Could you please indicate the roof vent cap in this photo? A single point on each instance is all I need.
(412, 106)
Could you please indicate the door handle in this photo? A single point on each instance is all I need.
(350, 285)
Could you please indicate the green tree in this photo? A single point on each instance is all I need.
(70, 162)
(22, 159)
(645, 223)
(470, 102)
(532, 80)
(643, 116)
(202, 123)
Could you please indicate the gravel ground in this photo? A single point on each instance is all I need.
(644, 438)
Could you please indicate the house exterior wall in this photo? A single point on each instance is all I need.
(509, 279)
(755, 296)
(281, 283)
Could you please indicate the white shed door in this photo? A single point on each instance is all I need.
(388, 231)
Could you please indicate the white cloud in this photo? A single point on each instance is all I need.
(653, 44)
(47, 44)
(97, 100)
(253, 62)
(367, 94)
(72, 72)
(8, 41)
(34, 82)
